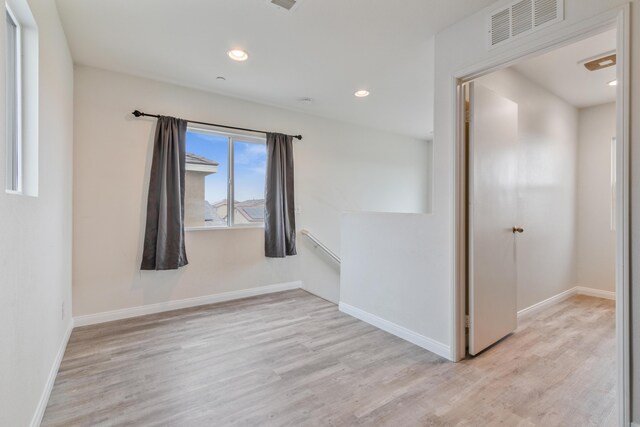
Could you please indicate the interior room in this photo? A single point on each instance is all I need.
(564, 162)
(294, 212)
(541, 154)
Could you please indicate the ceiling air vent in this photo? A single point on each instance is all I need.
(522, 17)
(545, 11)
(288, 5)
(500, 27)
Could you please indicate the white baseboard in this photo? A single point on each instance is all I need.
(126, 313)
(397, 330)
(582, 290)
(51, 379)
(548, 302)
(576, 290)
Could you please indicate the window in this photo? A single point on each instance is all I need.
(225, 179)
(14, 103)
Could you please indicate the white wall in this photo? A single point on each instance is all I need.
(35, 248)
(463, 45)
(596, 239)
(547, 169)
(390, 271)
(339, 167)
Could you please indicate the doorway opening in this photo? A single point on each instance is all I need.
(543, 216)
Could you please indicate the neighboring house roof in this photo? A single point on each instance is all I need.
(194, 159)
(251, 202)
(211, 215)
(252, 214)
(222, 202)
(251, 210)
(199, 164)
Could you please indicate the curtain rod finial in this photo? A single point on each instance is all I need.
(137, 113)
(298, 137)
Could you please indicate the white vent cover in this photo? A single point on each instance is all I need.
(285, 5)
(522, 17)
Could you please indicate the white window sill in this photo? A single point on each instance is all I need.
(235, 227)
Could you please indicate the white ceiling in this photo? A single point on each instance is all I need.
(325, 50)
(562, 73)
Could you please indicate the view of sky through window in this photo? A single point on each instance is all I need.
(250, 163)
(215, 148)
(207, 174)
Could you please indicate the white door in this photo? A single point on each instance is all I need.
(493, 164)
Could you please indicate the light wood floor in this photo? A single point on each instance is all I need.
(292, 359)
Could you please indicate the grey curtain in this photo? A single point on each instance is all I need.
(164, 235)
(279, 218)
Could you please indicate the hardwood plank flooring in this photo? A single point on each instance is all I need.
(292, 359)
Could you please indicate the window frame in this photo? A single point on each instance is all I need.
(231, 137)
(13, 137)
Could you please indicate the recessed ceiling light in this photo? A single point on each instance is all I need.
(238, 55)
(613, 83)
(362, 93)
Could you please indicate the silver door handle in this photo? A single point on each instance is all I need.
(518, 230)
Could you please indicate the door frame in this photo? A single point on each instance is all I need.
(619, 19)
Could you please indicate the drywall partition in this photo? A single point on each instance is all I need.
(338, 167)
(391, 277)
(461, 49)
(547, 157)
(35, 247)
(596, 236)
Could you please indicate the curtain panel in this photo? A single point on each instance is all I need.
(279, 220)
(164, 247)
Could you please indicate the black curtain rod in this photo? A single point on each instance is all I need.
(139, 113)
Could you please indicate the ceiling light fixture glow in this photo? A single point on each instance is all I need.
(238, 55)
(361, 93)
(613, 83)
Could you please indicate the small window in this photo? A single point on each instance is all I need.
(225, 179)
(14, 103)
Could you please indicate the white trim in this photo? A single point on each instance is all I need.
(226, 227)
(51, 379)
(126, 313)
(576, 290)
(599, 293)
(18, 148)
(397, 330)
(623, 206)
(548, 302)
(245, 136)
